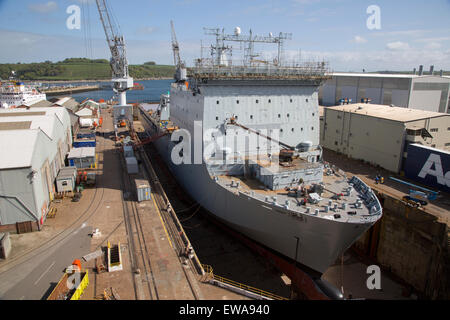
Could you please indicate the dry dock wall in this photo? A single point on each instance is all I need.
(412, 245)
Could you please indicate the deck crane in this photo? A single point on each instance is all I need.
(119, 64)
(180, 72)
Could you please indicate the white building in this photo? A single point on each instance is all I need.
(381, 134)
(34, 144)
(427, 92)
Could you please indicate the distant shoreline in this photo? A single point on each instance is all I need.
(98, 80)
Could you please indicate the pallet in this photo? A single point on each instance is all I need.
(52, 213)
(99, 265)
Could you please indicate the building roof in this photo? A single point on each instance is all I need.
(19, 145)
(385, 75)
(85, 111)
(41, 104)
(388, 112)
(68, 103)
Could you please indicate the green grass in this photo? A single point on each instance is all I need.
(80, 70)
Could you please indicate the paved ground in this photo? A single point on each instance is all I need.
(38, 259)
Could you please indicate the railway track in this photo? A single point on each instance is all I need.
(141, 263)
(138, 250)
(92, 208)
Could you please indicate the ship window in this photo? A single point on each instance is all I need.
(292, 129)
(279, 115)
(313, 114)
(301, 129)
(251, 116)
(217, 101)
(281, 130)
(434, 130)
(290, 100)
(312, 128)
(237, 101)
(217, 118)
(270, 101)
(288, 115)
(307, 100)
(257, 101)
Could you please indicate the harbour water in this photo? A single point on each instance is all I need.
(151, 92)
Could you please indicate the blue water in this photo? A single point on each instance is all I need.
(152, 91)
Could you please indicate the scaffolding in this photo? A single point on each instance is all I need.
(219, 66)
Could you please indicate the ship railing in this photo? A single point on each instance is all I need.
(242, 287)
(277, 72)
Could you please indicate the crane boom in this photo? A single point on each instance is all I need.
(119, 63)
(175, 47)
(180, 72)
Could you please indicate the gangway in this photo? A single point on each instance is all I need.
(429, 194)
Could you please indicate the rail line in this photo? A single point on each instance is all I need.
(32, 252)
(131, 217)
(178, 238)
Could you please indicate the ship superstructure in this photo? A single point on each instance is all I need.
(14, 94)
(247, 149)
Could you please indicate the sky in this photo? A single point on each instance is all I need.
(348, 34)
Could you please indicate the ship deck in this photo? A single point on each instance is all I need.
(334, 184)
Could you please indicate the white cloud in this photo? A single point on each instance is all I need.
(359, 39)
(43, 7)
(397, 45)
(146, 30)
(433, 45)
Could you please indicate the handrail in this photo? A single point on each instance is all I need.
(209, 271)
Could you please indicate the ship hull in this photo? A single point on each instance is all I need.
(320, 241)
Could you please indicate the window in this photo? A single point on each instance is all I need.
(290, 100)
(312, 128)
(270, 101)
(288, 115)
(217, 102)
(257, 101)
(313, 114)
(307, 100)
(237, 101)
(217, 118)
(251, 116)
(447, 144)
(434, 130)
(292, 129)
(301, 129)
(279, 115)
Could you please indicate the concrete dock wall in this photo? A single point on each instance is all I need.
(412, 245)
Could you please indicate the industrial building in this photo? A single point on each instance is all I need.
(34, 144)
(423, 92)
(381, 134)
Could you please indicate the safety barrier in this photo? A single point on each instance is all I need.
(212, 278)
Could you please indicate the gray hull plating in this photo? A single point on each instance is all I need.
(321, 241)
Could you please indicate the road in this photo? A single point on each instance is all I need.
(34, 278)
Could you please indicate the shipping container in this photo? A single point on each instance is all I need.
(84, 143)
(66, 179)
(143, 190)
(90, 136)
(82, 158)
(132, 165)
(128, 151)
(428, 166)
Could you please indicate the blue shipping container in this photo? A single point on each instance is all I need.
(84, 143)
(428, 166)
(86, 136)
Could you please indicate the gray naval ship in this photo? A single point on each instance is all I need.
(242, 139)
